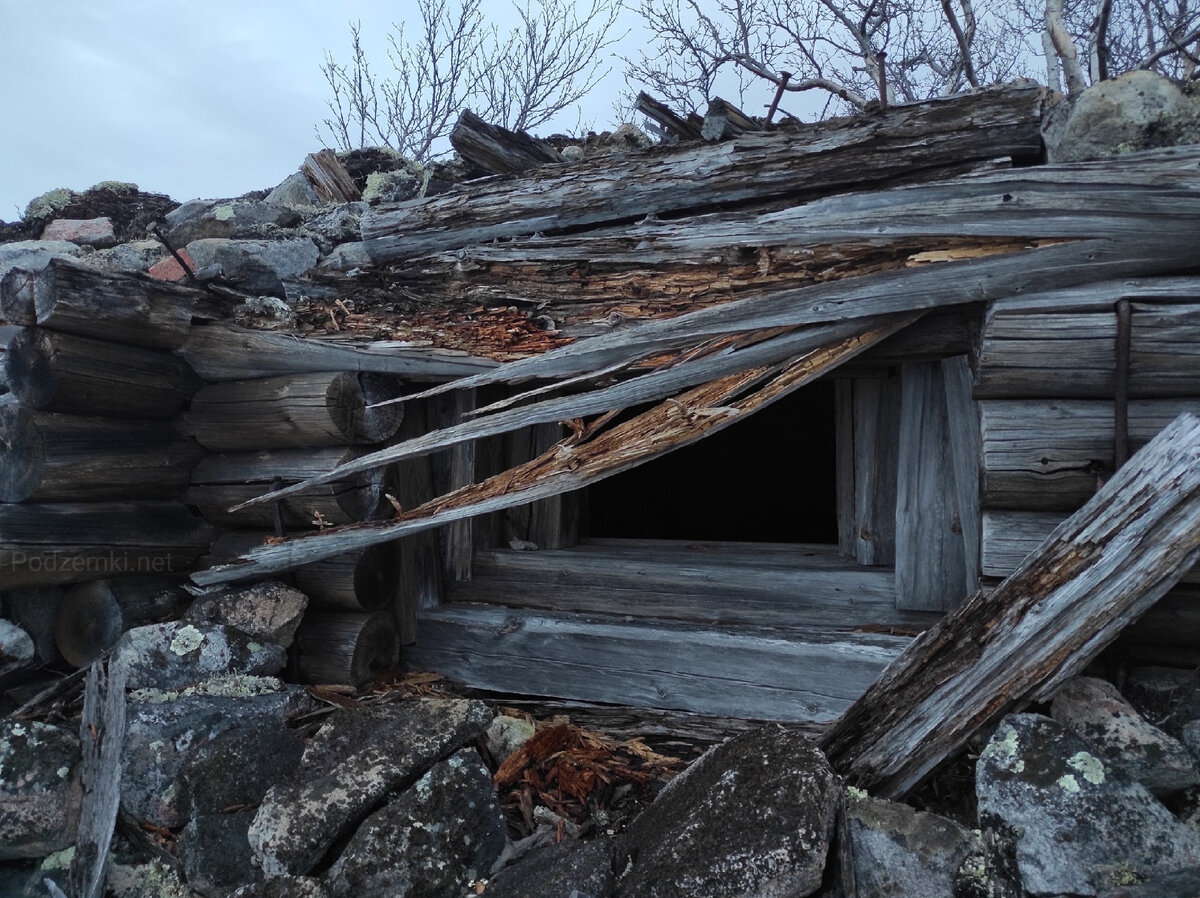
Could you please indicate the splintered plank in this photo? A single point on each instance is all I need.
(745, 673)
(1096, 573)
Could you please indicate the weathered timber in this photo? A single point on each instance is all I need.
(294, 411)
(758, 168)
(57, 372)
(678, 127)
(329, 178)
(680, 421)
(121, 307)
(1030, 350)
(221, 352)
(102, 736)
(91, 616)
(346, 648)
(223, 480)
(641, 579)
(49, 457)
(722, 359)
(548, 523)
(8, 333)
(1009, 537)
(1098, 572)
(937, 335)
(497, 150)
(738, 672)
(966, 452)
(1051, 455)
(723, 120)
(868, 440)
(52, 543)
(930, 560)
(457, 541)
(418, 582)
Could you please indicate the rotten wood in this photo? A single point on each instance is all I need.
(497, 150)
(418, 582)
(49, 457)
(966, 452)
(680, 421)
(346, 648)
(117, 306)
(1098, 572)
(677, 127)
(757, 168)
(866, 467)
(329, 178)
(57, 372)
(296, 411)
(723, 120)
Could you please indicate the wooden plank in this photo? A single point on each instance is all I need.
(346, 647)
(755, 168)
(843, 440)
(738, 673)
(420, 576)
(1046, 454)
(876, 423)
(677, 127)
(723, 120)
(746, 554)
(966, 451)
(1099, 571)
(220, 352)
(930, 559)
(498, 150)
(329, 178)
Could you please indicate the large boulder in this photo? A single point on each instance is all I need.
(256, 266)
(17, 651)
(269, 611)
(1083, 826)
(179, 654)
(559, 870)
(39, 789)
(353, 763)
(753, 816)
(436, 838)
(199, 219)
(1135, 111)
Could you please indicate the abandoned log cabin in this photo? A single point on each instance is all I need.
(715, 426)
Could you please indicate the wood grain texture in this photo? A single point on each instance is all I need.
(346, 648)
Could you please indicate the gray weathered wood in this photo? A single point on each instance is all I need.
(102, 736)
(742, 672)
(677, 127)
(723, 120)
(294, 411)
(930, 559)
(1047, 454)
(419, 579)
(49, 457)
(965, 456)
(1098, 572)
(843, 440)
(220, 352)
(346, 648)
(873, 458)
(53, 543)
(57, 372)
(329, 178)
(498, 150)
(223, 480)
(8, 333)
(118, 306)
(91, 616)
(755, 168)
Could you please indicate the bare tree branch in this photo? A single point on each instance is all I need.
(1064, 46)
(1098, 58)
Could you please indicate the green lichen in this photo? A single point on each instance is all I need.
(1004, 745)
(188, 639)
(229, 686)
(1091, 767)
(225, 212)
(116, 187)
(853, 794)
(60, 860)
(1068, 783)
(48, 205)
(152, 880)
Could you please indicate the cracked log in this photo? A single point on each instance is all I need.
(124, 308)
(346, 648)
(753, 170)
(297, 411)
(498, 150)
(1094, 575)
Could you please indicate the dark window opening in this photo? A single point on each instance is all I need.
(769, 478)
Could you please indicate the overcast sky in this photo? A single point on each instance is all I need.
(208, 99)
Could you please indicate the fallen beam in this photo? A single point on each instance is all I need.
(1094, 575)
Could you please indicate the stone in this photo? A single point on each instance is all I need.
(256, 266)
(572, 153)
(406, 183)
(506, 734)
(1168, 697)
(294, 192)
(265, 313)
(1083, 825)
(200, 219)
(163, 730)
(215, 853)
(169, 268)
(283, 887)
(1190, 734)
(39, 789)
(352, 763)
(179, 654)
(95, 232)
(901, 851)
(17, 652)
(137, 255)
(152, 880)
(35, 610)
(436, 838)
(347, 257)
(720, 829)
(1094, 710)
(269, 611)
(34, 255)
(562, 870)
(1181, 884)
(339, 224)
(1134, 111)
